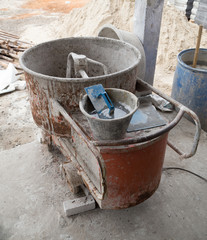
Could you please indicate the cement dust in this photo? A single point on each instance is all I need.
(200, 67)
(17, 125)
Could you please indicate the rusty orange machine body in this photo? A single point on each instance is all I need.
(117, 176)
(119, 173)
(132, 173)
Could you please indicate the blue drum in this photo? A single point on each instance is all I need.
(190, 84)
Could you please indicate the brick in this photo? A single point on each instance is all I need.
(79, 205)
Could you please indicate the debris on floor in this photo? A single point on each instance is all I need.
(10, 80)
(79, 204)
(10, 70)
(10, 49)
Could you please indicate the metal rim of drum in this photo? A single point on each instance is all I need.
(183, 64)
(53, 78)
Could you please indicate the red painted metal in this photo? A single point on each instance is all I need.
(132, 174)
(129, 173)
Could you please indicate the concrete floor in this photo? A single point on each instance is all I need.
(16, 18)
(32, 193)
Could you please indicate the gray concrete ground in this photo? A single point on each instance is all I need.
(32, 193)
(16, 19)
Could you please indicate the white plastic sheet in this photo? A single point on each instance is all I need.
(9, 81)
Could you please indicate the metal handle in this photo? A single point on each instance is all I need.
(184, 110)
(108, 102)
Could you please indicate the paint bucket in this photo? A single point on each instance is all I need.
(190, 84)
(111, 127)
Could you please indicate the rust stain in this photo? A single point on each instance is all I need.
(55, 5)
(39, 102)
(133, 176)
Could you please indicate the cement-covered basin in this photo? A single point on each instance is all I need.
(112, 127)
(45, 70)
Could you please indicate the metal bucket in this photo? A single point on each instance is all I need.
(110, 129)
(45, 71)
(110, 31)
(190, 84)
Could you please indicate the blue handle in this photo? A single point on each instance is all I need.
(108, 102)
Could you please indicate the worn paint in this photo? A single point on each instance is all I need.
(190, 85)
(127, 177)
(46, 80)
(130, 170)
(132, 177)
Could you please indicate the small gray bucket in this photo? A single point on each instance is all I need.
(110, 129)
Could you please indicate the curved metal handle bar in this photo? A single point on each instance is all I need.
(187, 111)
(165, 129)
(195, 139)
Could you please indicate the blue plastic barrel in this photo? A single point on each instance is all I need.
(190, 84)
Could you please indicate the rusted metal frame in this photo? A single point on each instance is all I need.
(178, 151)
(187, 111)
(93, 149)
(144, 138)
(128, 148)
(63, 147)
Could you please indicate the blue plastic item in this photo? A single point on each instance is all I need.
(190, 84)
(99, 98)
